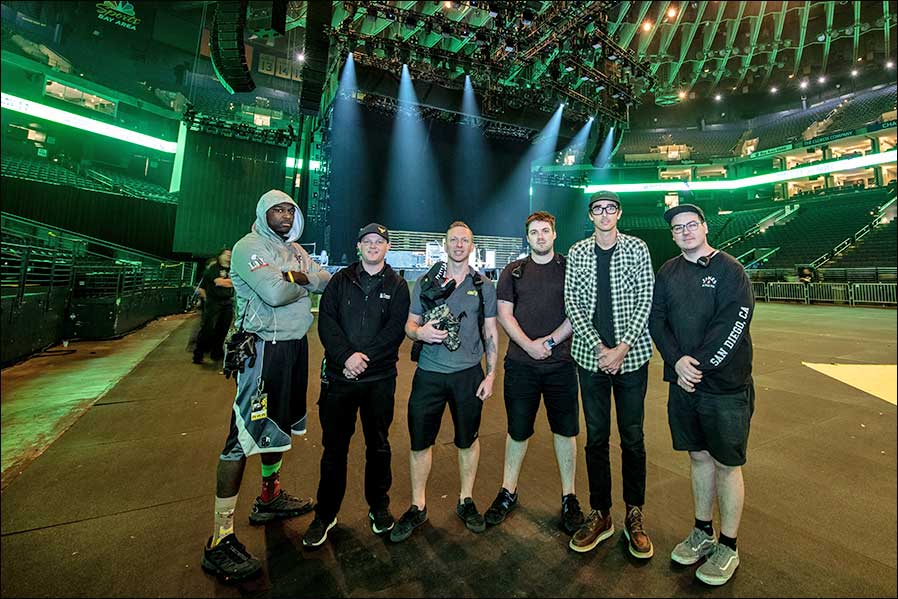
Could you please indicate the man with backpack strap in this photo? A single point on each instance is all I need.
(538, 364)
(449, 371)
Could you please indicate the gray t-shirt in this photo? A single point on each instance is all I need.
(435, 357)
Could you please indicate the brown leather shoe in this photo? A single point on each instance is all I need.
(597, 527)
(640, 544)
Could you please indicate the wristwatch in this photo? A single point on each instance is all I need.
(550, 343)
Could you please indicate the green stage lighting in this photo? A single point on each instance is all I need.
(62, 117)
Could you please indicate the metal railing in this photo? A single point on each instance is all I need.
(874, 294)
(36, 233)
(787, 291)
(835, 293)
(853, 294)
(759, 290)
(28, 270)
(93, 280)
(873, 274)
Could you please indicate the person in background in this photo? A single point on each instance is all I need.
(218, 308)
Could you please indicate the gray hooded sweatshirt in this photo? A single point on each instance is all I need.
(268, 305)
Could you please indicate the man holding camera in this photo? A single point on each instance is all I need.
(452, 345)
(273, 277)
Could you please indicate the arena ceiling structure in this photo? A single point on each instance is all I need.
(605, 58)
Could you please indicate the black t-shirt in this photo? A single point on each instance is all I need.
(705, 313)
(603, 317)
(220, 296)
(539, 305)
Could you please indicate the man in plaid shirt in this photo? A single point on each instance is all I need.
(608, 296)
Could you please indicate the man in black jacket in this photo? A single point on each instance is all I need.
(701, 314)
(361, 323)
(218, 311)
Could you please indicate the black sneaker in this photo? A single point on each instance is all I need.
(571, 514)
(282, 506)
(467, 511)
(502, 504)
(381, 520)
(317, 533)
(410, 520)
(229, 560)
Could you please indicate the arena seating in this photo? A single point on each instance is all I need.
(707, 143)
(814, 229)
(46, 171)
(864, 108)
(848, 112)
(722, 227)
(134, 186)
(877, 248)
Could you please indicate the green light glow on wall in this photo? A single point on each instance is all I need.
(62, 117)
(777, 177)
(314, 164)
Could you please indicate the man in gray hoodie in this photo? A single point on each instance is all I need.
(273, 277)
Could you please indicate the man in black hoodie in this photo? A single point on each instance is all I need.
(701, 314)
(361, 323)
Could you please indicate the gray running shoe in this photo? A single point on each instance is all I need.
(696, 546)
(719, 567)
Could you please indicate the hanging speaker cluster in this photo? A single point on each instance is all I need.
(227, 48)
(317, 44)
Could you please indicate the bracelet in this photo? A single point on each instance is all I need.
(290, 276)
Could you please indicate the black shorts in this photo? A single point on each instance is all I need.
(557, 383)
(431, 391)
(270, 405)
(715, 422)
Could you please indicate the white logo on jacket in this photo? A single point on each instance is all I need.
(709, 282)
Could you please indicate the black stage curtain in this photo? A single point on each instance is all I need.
(138, 224)
(221, 182)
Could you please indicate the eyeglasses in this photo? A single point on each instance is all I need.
(691, 226)
(607, 209)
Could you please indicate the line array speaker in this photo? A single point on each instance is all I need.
(318, 18)
(227, 47)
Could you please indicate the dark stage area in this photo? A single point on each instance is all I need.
(120, 503)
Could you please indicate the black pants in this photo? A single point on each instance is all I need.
(337, 409)
(629, 400)
(213, 330)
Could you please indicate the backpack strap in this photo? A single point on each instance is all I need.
(481, 317)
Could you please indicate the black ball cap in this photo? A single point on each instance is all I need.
(672, 212)
(374, 228)
(608, 196)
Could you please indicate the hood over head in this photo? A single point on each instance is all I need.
(273, 198)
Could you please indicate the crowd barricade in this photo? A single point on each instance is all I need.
(853, 294)
(880, 294)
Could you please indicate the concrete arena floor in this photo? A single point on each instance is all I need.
(120, 503)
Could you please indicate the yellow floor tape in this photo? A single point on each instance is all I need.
(875, 379)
